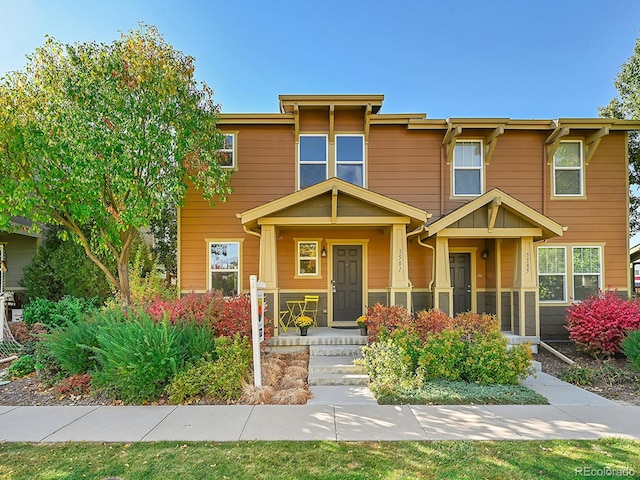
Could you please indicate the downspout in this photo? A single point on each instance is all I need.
(433, 262)
(251, 232)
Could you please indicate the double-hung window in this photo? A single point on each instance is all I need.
(350, 158)
(587, 271)
(568, 169)
(227, 154)
(224, 267)
(468, 168)
(312, 157)
(552, 274)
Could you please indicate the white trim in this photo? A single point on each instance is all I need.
(314, 162)
(454, 168)
(211, 270)
(573, 272)
(565, 285)
(351, 162)
(233, 150)
(580, 169)
(317, 259)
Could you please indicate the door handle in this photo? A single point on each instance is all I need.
(333, 286)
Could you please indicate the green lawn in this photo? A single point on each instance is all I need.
(321, 460)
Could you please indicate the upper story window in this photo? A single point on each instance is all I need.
(227, 154)
(316, 163)
(312, 157)
(568, 169)
(468, 168)
(350, 158)
(224, 267)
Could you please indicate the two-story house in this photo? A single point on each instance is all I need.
(334, 198)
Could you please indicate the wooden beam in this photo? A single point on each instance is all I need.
(554, 140)
(493, 212)
(485, 233)
(332, 118)
(296, 119)
(367, 122)
(449, 141)
(491, 142)
(591, 143)
(334, 205)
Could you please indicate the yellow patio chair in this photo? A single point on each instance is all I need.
(310, 308)
(284, 319)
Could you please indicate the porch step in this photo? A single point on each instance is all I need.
(353, 351)
(339, 379)
(320, 365)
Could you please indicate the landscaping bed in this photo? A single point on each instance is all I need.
(612, 378)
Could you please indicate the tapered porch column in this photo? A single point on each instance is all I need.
(268, 272)
(442, 289)
(526, 320)
(400, 288)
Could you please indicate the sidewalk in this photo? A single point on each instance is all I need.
(573, 414)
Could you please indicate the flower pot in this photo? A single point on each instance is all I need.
(363, 331)
(303, 331)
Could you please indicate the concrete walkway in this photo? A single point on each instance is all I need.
(573, 414)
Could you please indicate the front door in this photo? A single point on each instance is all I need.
(347, 283)
(460, 265)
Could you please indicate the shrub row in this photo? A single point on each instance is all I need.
(54, 314)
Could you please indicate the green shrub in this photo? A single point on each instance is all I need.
(578, 375)
(21, 367)
(48, 368)
(443, 356)
(72, 346)
(196, 341)
(219, 380)
(386, 364)
(137, 357)
(631, 348)
(490, 361)
(57, 314)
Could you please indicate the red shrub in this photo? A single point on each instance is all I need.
(599, 323)
(75, 385)
(432, 321)
(225, 315)
(470, 323)
(389, 318)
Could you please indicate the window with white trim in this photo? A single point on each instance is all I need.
(227, 154)
(468, 168)
(568, 169)
(308, 264)
(312, 159)
(552, 274)
(587, 271)
(224, 267)
(350, 158)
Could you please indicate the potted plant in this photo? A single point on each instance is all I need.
(362, 323)
(303, 323)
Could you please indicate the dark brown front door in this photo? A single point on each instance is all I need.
(347, 283)
(460, 265)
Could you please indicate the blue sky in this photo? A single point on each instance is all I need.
(501, 58)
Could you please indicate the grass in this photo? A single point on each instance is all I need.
(442, 392)
(556, 459)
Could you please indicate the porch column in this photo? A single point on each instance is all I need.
(526, 321)
(268, 272)
(442, 289)
(400, 288)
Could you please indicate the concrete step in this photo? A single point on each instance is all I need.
(319, 365)
(339, 379)
(353, 351)
(341, 395)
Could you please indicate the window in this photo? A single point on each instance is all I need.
(552, 274)
(308, 264)
(224, 267)
(350, 158)
(467, 168)
(227, 154)
(587, 271)
(312, 156)
(567, 169)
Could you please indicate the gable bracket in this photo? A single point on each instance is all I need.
(491, 142)
(449, 141)
(296, 119)
(332, 119)
(493, 212)
(592, 142)
(367, 122)
(554, 140)
(334, 204)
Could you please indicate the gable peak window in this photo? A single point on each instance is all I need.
(468, 168)
(568, 169)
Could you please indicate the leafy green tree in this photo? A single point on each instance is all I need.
(627, 106)
(105, 137)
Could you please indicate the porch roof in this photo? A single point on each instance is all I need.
(495, 214)
(334, 202)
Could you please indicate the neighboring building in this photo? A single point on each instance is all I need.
(16, 250)
(332, 198)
